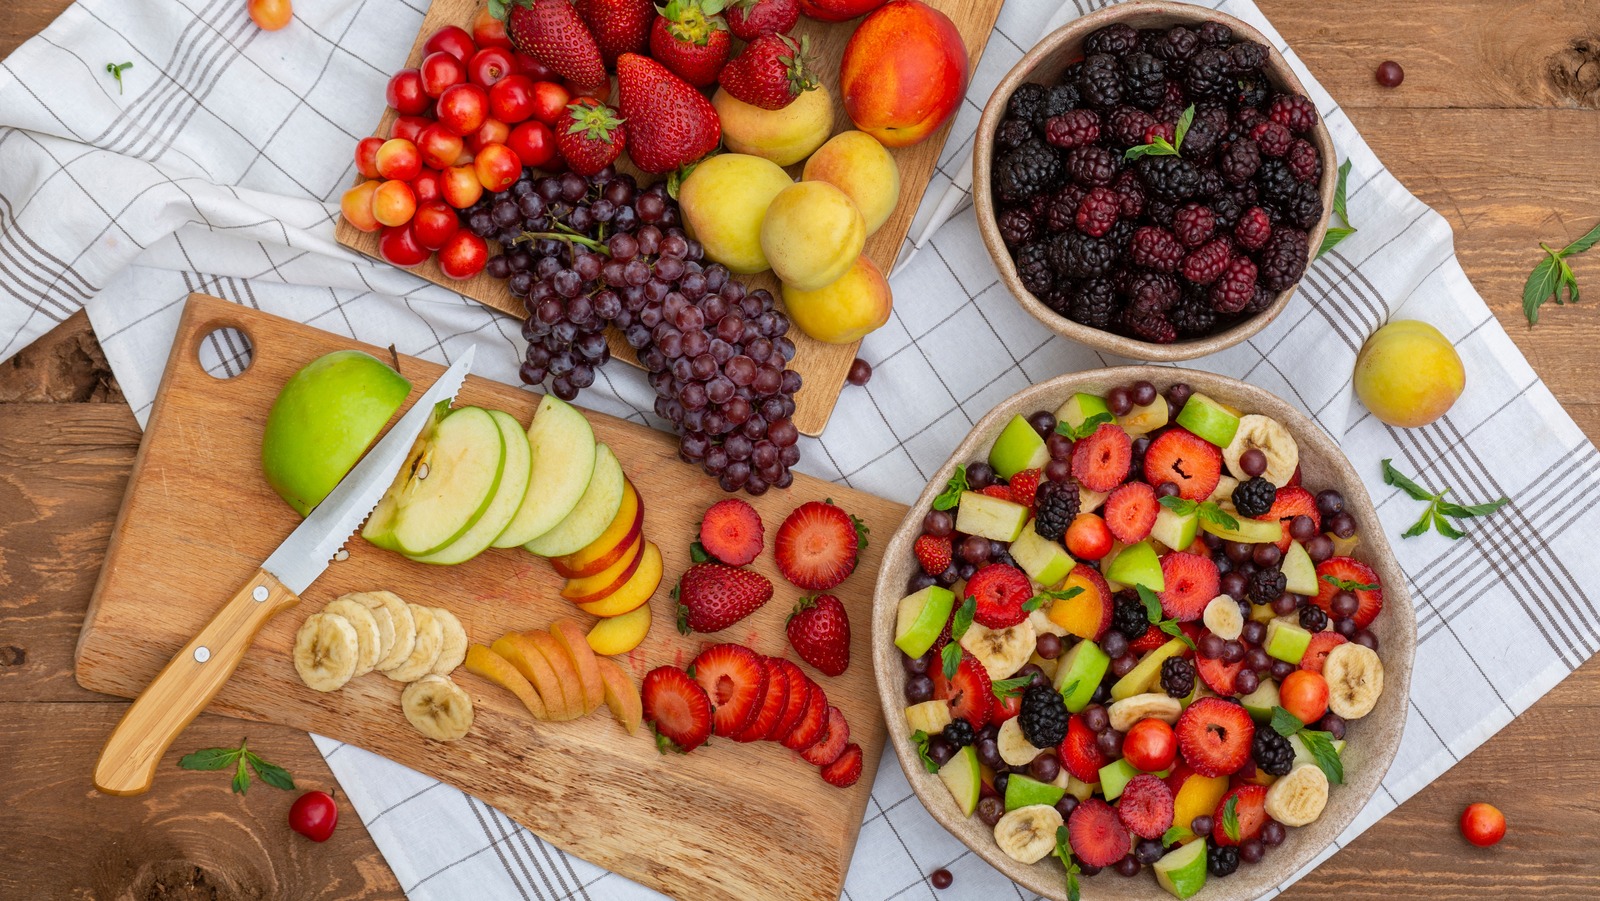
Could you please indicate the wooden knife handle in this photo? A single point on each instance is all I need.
(185, 686)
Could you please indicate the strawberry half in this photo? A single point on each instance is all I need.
(809, 728)
(845, 770)
(1219, 675)
(1131, 511)
(817, 545)
(712, 597)
(1096, 834)
(774, 701)
(1146, 806)
(1101, 461)
(835, 733)
(819, 631)
(998, 592)
(969, 692)
(1250, 808)
(1214, 736)
(999, 492)
(1317, 650)
(1289, 502)
(933, 553)
(1024, 487)
(797, 693)
(678, 707)
(731, 531)
(1192, 582)
(735, 679)
(1349, 569)
(1079, 752)
(1185, 459)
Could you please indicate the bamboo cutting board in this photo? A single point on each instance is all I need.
(823, 366)
(729, 821)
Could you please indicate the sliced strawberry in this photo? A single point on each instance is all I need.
(1131, 511)
(1219, 675)
(1005, 708)
(817, 544)
(1317, 650)
(835, 733)
(1292, 501)
(774, 701)
(1250, 808)
(1000, 492)
(1185, 459)
(1181, 771)
(969, 692)
(1214, 736)
(1151, 639)
(678, 707)
(1097, 835)
(731, 531)
(1024, 485)
(1146, 806)
(1349, 569)
(796, 693)
(844, 771)
(1079, 752)
(1101, 461)
(734, 678)
(998, 592)
(1191, 581)
(806, 732)
(932, 553)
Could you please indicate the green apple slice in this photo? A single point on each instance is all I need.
(563, 449)
(1146, 419)
(1261, 701)
(1019, 447)
(1138, 564)
(1079, 672)
(1025, 791)
(445, 485)
(929, 717)
(920, 619)
(960, 774)
(1147, 672)
(1249, 531)
(1207, 418)
(507, 498)
(1286, 640)
(1182, 872)
(1175, 530)
(1045, 561)
(594, 512)
(1079, 407)
(990, 517)
(1115, 776)
(1299, 573)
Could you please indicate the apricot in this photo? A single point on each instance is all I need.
(1409, 374)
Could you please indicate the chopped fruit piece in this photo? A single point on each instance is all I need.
(566, 673)
(998, 492)
(999, 592)
(828, 748)
(1045, 561)
(571, 639)
(1176, 530)
(1079, 672)
(1299, 573)
(797, 696)
(933, 553)
(969, 692)
(1088, 538)
(1251, 810)
(1025, 791)
(1024, 485)
(616, 540)
(1097, 835)
(817, 544)
(1292, 501)
(1214, 736)
(1261, 701)
(1147, 673)
(962, 775)
(1185, 459)
(712, 597)
(1317, 651)
(1206, 418)
(774, 701)
(1286, 640)
(920, 619)
(1142, 420)
(1131, 511)
(678, 707)
(1192, 582)
(528, 661)
(634, 593)
(1087, 614)
(1079, 752)
(1348, 569)
(819, 631)
(929, 716)
(1114, 777)
(734, 678)
(806, 732)
(482, 661)
(603, 584)
(1100, 462)
(997, 519)
(845, 770)
(1017, 448)
(1304, 694)
(1196, 796)
(620, 634)
(1219, 675)
(622, 698)
(1182, 872)
(1146, 806)
(1137, 564)
(731, 531)
(1079, 407)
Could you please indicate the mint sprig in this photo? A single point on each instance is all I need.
(1152, 612)
(950, 657)
(951, 495)
(1230, 819)
(1552, 279)
(1438, 508)
(1048, 595)
(1007, 688)
(920, 739)
(244, 761)
(1335, 234)
(1086, 428)
(1348, 584)
(116, 70)
(1173, 835)
(1320, 744)
(1161, 146)
(1063, 853)
(1208, 510)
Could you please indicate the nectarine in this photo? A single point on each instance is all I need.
(904, 72)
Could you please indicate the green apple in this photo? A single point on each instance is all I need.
(1182, 871)
(1286, 640)
(507, 498)
(1138, 564)
(594, 512)
(929, 717)
(1084, 665)
(563, 448)
(1207, 418)
(1023, 791)
(1299, 573)
(1249, 531)
(1105, 566)
(990, 517)
(325, 418)
(1176, 530)
(1146, 419)
(920, 619)
(960, 774)
(1019, 447)
(1045, 561)
(1114, 777)
(1261, 701)
(1147, 672)
(445, 485)
(1079, 407)
(1302, 754)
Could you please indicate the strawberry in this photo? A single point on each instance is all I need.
(998, 592)
(1024, 486)
(819, 631)
(749, 19)
(1101, 461)
(1005, 708)
(1349, 569)
(797, 696)
(673, 124)
(970, 693)
(1078, 751)
(809, 727)
(1151, 639)
(771, 71)
(1218, 674)
(774, 700)
(1097, 835)
(1185, 459)
(618, 26)
(712, 597)
(1289, 502)
(817, 545)
(996, 491)
(1214, 736)
(1317, 651)
(844, 771)
(1131, 512)
(1192, 582)
(678, 707)
(735, 680)
(1250, 807)
(731, 531)
(933, 553)
(590, 136)
(552, 32)
(835, 733)
(690, 39)
(1145, 806)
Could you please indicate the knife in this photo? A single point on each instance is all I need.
(194, 676)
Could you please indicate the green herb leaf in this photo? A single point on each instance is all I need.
(1438, 508)
(1339, 193)
(116, 70)
(241, 779)
(1553, 279)
(1467, 511)
(950, 659)
(1320, 744)
(211, 758)
(920, 739)
(1179, 505)
(1063, 853)
(1578, 246)
(1333, 237)
(1087, 427)
(1444, 527)
(1161, 146)
(1185, 119)
(1392, 476)
(1348, 584)
(951, 495)
(1173, 835)
(963, 619)
(1207, 510)
(1071, 687)
(1074, 893)
(1230, 819)
(1285, 723)
(1170, 626)
(270, 773)
(1421, 525)
(1047, 595)
(697, 552)
(1152, 604)
(1007, 688)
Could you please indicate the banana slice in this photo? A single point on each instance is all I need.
(1028, 834)
(430, 635)
(384, 622)
(1224, 489)
(437, 707)
(366, 626)
(1298, 798)
(453, 642)
(405, 627)
(930, 717)
(1222, 616)
(326, 651)
(1355, 680)
(1126, 712)
(1043, 624)
(1001, 651)
(1015, 749)
(1267, 435)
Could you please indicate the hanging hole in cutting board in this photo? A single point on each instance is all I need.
(225, 353)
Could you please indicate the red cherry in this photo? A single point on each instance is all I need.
(464, 255)
(534, 143)
(511, 99)
(314, 815)
(398, 245)
(452, 39)
(405, 92)
(489, 65)
(1483, 824)
(440, 70)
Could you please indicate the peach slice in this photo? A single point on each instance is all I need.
(612, 543)
(620, 634)
(597, 586)
(482, 661)
(566, 671)
(622, 696)
(636, 591)
(525, 656)
(571, 638)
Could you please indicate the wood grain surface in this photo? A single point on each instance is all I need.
(823, 366)
(1495, 127)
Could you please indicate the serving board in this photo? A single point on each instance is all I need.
(822, 366)
(730, 821)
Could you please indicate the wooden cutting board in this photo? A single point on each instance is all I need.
(823, 366)
(728, 821)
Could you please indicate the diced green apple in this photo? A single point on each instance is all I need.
(1249, 531)
(920, 619)
(1115, 776)
(1260, 702)
(1079, 407)
(1080, 669)
(1019, 447)
(1024, 791)
(563, 449)
(1286, 640)
(1299, 573)
(594, 512)
(1206, 418)
(1176, 530)
(1138, 564)
(1182, 871)
(507, 497)
(1303, 755)
(444, 486)
(1045, 561)
(929, 717)
(1146, 672)
(961, 776)
(1143, 420)
(990, 517)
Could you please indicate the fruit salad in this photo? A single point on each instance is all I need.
(1134, 638)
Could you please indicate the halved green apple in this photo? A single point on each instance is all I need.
(1079, 407)
(961, 775)
(1019, 447)
(920, 618)
(990, 517)
(507, 498)
(1079, 672)
(594, 511)
(1138, 564)
(1299, 573)
(563, 449)
(1182, 872)
(445, 485)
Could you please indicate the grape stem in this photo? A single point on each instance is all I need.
(569, 238)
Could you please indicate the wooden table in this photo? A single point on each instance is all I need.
(1495, 127)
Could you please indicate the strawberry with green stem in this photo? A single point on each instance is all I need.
(590, 136)
(749, 19)
(691, 39)
(771, 71)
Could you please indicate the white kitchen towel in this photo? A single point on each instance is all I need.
(218, 169)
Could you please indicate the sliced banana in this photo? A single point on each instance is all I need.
(1224, 489)
(1298, 798)
(405, 628)
(437, 707)
(326, 651)
(1222, 616)
(1044, 625)
(929, 717)
(1267, 435)
(384, 621)
(1028, 834)
(1355, 680)
(1015, 749)
(430, 635)
(1001, 651)
(1124, 713)
(366, 626)
(453, 642)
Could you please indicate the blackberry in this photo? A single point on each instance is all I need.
(1129, 617)
(1074, 128)
(1094, 304)
(1025, 102)
(1271, 751)
(1058, 299)
(1206, 265)
(1061, 214)
(1304, 161)
(1253, 497)
(1033, 268)
(1252, 91)
(1024, 172)
(1057, 100)
(1283, 260)
(1143, 80)
(1222, 860)
(1169, 177)
(1246, 57)
(1100, 82)
(1227, 207)
(1152, 291)
(1216, 34)
(1117, 39)
(1236, 288)
(1016, 227)
(960, 733)
(1098, 212)
(1272, 137)
(1155, 249)
(1276, 182)
(1120, 235)
(1263, 298)
(1093, 167)
(1177, 677)
(1127, 125)
(1202, 139)
(1292, 111)
(1312, 619)
(1207, 75)
(1253, 228)
(1303, 207)
(1193, 315)
(1211, 184)
(1238, 161)
(1266, 585)
(1131, 190)
(1011, 134)
(1150, 325)
(1044, 713)
(1159, 210)
(1055, 506)
(1175, 45)
(1075, 255)
(1193, 224)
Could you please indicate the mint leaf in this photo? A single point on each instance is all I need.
(920, 739)
(1161, 146)
(1333, 237)
(1392, 476)
(1173, 836)
(1170, 626)
(211, 758)
(1006, 688)
(1444, 526)
(241, 778)
(1320, 744)
(950, 659)
(1039, 600)
(1179, 505)
(1063, 853)
(1578, 246)
(1230, 819)
(243, 761)
(1285, 723)
(1438, 508)
(270, 773)
(1071, 687)
(963, 618)
(1152, 604)
(1553, 279)
(116, 70)
(1086, 428)
(1348, 584)
(1468, 511)
(1421, 525)
(1185, 119)
(1336, 234)
(951, 495)
(1207, 510)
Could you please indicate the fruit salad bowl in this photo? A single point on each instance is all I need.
(1353, 543)
(1206, 331)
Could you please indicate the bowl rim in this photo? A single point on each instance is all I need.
(1398, 650)
(1278, 69)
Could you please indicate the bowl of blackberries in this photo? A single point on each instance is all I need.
(1152, 181)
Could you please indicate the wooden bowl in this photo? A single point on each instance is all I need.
(1044, 65)
(1372, 740)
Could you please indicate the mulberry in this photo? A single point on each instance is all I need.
(1283, 260)
(1170, 177)
(1075, 255)
(1026, 171)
